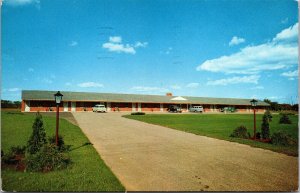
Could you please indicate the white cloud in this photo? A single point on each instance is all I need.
(115, 39)
(73, 43)
(280, 53)
(149, 89)
(30, 70)
(288, 34)
(13, 89)
(253, 79)
(192, 85)
(176, 87)
(290, 73)
(68, 84)
(90, 84)
(119, 48)
(236, 41)
(115, 45)
(21, 2)
(140, 44)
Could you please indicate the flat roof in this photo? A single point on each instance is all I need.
(115, 97)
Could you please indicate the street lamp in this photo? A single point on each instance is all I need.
(253, 104)
(58, 98)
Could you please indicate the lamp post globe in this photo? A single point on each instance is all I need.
(254, 104)
(58, 99)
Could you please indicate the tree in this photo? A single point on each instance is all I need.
(38, 136)
(265, 127)
(269, 115)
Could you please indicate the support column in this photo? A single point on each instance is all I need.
(108, 107)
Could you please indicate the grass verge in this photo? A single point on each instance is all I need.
(87, 173)
(220, 126)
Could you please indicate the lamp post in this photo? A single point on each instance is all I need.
(58, 98)
(253, 104)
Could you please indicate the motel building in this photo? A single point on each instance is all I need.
(43, 101)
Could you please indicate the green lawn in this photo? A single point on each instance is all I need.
(87, 173)
(220, 126)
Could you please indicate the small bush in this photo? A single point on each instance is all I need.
(240, 132)
(269, 115)
(265, 127)
(61, 144)
(281, 138)
(12, 156)
(48, 158)
(258, 135)
(38, 136)
(284, 119)
(138, 113)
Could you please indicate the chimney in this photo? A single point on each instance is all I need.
(169, 94)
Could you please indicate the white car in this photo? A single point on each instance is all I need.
(198, 109)
(99, 108)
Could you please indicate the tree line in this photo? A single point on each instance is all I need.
(10, 104)
(275, 106)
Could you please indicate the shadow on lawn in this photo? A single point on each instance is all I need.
(85, 144)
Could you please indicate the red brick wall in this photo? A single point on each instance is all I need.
(23, 105)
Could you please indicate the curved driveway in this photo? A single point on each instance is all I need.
(148, 157)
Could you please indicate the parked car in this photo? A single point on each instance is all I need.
(228, 109)
(174, 109)
(99, 108)
(196, 109)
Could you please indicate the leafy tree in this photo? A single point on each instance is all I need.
(38, 136)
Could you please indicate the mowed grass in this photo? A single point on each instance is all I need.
(87, 173)
(220, 126)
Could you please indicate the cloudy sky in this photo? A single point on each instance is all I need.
(237, 49)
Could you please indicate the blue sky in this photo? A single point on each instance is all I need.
(236, 49)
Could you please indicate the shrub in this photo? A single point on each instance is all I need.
(48, 158)
(281, 138)
(265, 128)
(14, 155)
(240, 132)
(38, 136)
(61, 144)
(269, 115)
(284, 119)
(258, 135)
(138, 113)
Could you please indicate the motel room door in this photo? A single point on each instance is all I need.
(65, 106)
(73, 106)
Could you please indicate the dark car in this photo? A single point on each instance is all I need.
(174, 109)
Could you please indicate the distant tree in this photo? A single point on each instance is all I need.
(10, 104)
(295, 107)
(267, 101)
(17, 104)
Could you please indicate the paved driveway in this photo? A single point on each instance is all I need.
(147, 157)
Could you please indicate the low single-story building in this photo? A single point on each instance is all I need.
(43, 101)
